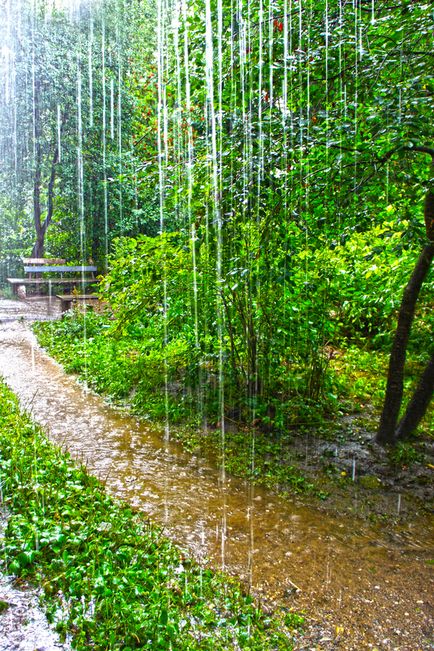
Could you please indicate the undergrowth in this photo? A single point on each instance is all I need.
(123, 371)
(110, 579)
(127, 369)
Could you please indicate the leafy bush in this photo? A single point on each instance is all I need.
(366, 277)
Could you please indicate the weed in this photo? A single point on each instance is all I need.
(404, 454)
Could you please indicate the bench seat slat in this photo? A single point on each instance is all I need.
(53, 281)
(43, 261)
(59, 268)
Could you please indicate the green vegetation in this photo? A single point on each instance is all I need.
(127, 355)
(110, 579)
(253, 180)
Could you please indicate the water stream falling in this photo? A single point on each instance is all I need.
(244, 96)
(104, 138)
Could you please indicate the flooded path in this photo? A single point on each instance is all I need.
(364, 589)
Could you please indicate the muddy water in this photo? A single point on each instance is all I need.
(364, 588)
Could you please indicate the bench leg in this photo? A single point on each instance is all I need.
(65, 305)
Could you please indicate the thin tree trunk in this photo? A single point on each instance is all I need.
(41, 227)
(418, 404)
(395, 379)
(38, 249)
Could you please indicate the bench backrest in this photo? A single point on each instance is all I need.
(59, 268)
(42, 261)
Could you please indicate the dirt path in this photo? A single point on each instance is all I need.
(362, 588)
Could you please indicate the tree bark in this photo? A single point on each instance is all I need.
(395, 378)
(41, 224)
(38, 249)
(429, 214)
(418, 404)
(41, 227)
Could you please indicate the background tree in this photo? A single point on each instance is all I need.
(66, 119)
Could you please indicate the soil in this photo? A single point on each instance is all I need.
(366, 479)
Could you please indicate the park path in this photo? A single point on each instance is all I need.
(362, 588)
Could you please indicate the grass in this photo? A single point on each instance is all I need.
(258, 457)
(110, 579)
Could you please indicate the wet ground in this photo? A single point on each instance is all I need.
(360, 477)
(23, 626)
(362, 587)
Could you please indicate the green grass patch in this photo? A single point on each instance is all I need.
(111, 580)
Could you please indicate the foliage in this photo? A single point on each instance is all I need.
(366, 276)
(295, 190)
(162, 355)
(110, 579)
(266, 151)
(404, 455)
(65, 118)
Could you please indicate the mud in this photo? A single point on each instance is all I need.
(359, 476)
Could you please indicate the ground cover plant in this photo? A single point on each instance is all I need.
(110, 579)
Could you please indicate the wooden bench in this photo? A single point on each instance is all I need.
(35, 267)
(41, 262)
(70, 282)
(67, 300)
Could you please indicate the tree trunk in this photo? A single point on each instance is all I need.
(395, 379)
(418, 404)
(41, 227)
(38, 249)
